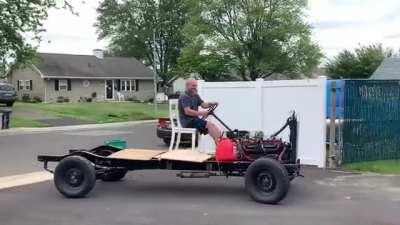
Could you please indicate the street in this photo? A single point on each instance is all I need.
(19, 152)
(158, 197)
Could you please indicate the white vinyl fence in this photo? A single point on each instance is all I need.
(265, 105)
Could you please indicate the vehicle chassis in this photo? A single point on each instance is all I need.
(266, 178)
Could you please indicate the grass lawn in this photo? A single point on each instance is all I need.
(382, 166)
(23, 122)
(97, 112)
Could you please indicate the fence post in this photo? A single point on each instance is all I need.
(259, 87)
(332, 127)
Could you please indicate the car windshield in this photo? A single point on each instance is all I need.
(6, 88)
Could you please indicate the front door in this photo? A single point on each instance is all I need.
(109, 89)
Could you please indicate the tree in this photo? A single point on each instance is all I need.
(131, 26)
(361, 63)
(262, 37)
(18, 20)
(20, 27)
(210, 65)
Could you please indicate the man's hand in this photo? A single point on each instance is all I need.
(203, 112)
(213, 103)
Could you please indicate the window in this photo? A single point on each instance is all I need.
(123, 85)
(25, 85)
(62, 85)
(128, 85)
(20, 85)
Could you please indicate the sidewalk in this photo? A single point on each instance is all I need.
(13, 131)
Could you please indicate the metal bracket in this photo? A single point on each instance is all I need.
(46, 167)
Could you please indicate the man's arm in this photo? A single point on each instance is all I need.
(194, 113)
(208, 104)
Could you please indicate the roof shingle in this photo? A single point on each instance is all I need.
(88, 66)
(388, 70)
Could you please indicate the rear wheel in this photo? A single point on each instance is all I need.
(167, 141)
(267, 181)
(74, 176)
(104, 150)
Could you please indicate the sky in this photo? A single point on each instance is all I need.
(337, 25)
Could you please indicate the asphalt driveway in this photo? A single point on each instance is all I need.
(160, 198)
(19, 151)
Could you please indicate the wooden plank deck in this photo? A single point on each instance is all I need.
(148, 154)
(136, 154)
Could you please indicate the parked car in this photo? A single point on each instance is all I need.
(8, 95)
(164, 132)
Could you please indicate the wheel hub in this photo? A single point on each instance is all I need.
(265, 181)
(74, 177)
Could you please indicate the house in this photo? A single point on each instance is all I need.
(388, 70)
(64, 77)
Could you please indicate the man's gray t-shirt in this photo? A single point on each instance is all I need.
(186, 100)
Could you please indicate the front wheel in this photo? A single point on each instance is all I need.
(74, 176)
(267, 181)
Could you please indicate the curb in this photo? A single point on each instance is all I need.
(24, 179)
(71, 128)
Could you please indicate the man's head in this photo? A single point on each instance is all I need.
(191, 86)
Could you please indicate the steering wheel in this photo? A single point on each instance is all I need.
(210, 111)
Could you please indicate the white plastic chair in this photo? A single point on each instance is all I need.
(120, 96)
(176, 126)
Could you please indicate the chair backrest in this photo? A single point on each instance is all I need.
(174, 113)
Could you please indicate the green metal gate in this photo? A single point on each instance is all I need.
(371, 126)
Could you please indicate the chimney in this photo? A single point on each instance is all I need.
(98, 53)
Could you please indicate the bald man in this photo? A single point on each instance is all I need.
(189, 103)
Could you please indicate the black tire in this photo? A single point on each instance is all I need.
(104, 150)
(267, 181)
(167, 141)
(74, 177)
(114, 175)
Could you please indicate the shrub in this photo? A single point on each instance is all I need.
(26, 98)
(37, 99)
(60, 99)
(94, 95)
(132, 99)
(66, 99)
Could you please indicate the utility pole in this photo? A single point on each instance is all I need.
(332, 126)
(155, 77)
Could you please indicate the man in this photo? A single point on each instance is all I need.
(189, 114)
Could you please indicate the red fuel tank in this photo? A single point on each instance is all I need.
(226, 150)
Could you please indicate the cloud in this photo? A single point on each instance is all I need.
(392, 36)
(346, 24)
(337, 25)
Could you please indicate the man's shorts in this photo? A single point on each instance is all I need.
(199, 124)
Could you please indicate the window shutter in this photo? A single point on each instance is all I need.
(137, 85)
(69, 85)
(56, 85)
(18, 84)
(30, 81)
(118, 85)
